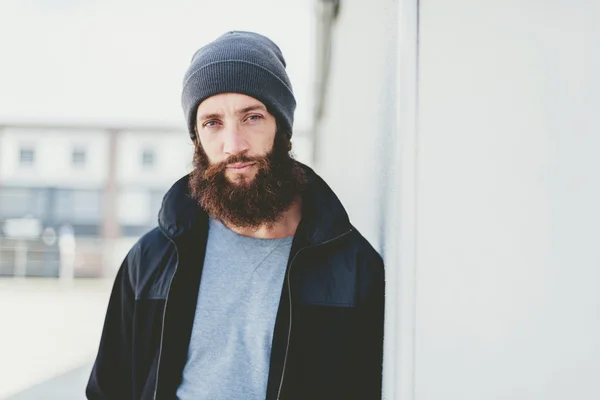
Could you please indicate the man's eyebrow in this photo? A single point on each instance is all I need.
(210, 116)
(252, 108)
(244, 110)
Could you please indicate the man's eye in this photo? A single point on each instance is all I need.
(209, 124)
(255, 117)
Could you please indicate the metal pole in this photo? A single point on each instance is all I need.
(111, 228)
(1, 216)
(327, 12)
(20, 260)
(401, 243)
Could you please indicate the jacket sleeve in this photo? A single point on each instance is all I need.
(371, 327)
(111, 376)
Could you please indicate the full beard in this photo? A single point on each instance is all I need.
(253, 202)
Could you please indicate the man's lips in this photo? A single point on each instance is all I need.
(238, 166)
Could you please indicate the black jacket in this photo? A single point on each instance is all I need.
(328, 336)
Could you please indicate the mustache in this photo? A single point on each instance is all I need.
(218, 169)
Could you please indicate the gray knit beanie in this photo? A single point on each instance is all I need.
(240, 62)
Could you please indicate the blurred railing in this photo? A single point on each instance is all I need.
(82, 257)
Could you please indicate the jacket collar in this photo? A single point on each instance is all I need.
(323, 216)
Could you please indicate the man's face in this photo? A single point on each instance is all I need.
(235, 131)
(243, 171)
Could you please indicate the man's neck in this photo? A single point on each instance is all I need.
(284, 227)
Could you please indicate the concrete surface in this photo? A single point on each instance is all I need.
(68, 386)
(49, 336)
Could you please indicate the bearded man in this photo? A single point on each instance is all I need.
(254, 285)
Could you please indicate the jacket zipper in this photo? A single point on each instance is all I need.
(287, 346)
(162, 331)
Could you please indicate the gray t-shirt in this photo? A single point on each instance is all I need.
(230, 348)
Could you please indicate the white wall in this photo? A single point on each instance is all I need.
(504, 284)
(173, 159)
(508, 274)
(355, 139)
(354, 135)
(53, 158)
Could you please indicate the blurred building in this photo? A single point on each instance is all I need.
(104, 183)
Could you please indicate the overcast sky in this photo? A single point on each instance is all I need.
(124, 60)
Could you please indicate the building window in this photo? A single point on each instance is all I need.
(26, 156)
(78, 206)
(18, 202)
(148, 158)
(78, 157)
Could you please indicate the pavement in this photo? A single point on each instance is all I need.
(68, 386)
(49, 335)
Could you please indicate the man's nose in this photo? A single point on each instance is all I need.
(234, 141)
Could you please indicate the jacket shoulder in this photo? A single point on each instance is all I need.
(364, 251)
(147, 257)
(371, 271)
